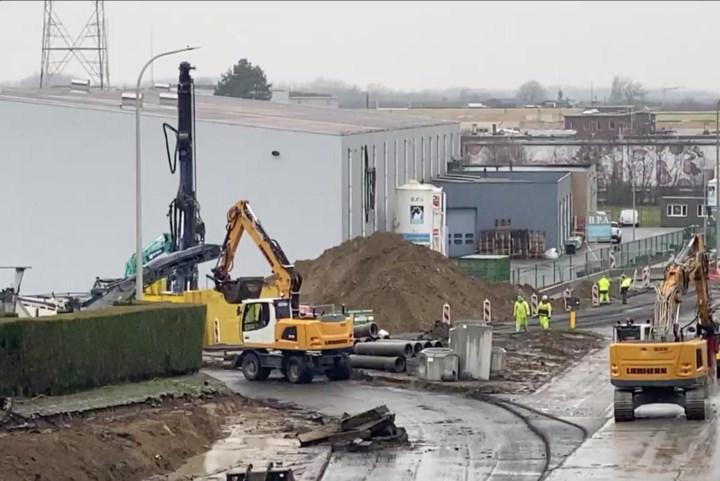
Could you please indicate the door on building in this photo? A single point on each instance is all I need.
(462, 232)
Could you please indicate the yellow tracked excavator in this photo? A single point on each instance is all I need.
(663, 361)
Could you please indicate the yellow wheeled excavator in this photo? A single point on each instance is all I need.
(274, 334)
(662, 361)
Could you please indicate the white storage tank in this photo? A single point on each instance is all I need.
(438, 364)
(420, 214)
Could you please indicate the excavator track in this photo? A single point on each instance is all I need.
(695, 409)
(624, 406)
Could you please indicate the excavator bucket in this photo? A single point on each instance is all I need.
(269, 474)
(242, 288)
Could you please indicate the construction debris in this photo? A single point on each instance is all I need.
(370, 429)
(406, 285)
(273, 472)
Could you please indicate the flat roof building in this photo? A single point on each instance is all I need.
(314, 176)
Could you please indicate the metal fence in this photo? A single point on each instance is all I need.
(631, 255)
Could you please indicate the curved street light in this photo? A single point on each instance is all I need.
(139, 289)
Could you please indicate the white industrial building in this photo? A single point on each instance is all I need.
(68, 171)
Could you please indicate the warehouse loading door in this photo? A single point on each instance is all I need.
(462, 232)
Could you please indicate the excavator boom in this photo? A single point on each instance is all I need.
(241, 220)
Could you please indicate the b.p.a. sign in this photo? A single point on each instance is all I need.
(598, 227)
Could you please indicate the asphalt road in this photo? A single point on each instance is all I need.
(456, 438)
(660, 444)
(545, 272)
(452, 438)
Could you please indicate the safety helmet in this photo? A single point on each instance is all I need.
(544, 298)
(623, 276)
(520, 298)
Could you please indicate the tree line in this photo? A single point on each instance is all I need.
(249, 81)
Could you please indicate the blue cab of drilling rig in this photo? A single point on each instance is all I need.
(186, 226)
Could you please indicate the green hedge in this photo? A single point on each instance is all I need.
(71, 352)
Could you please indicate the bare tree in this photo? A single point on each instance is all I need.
(505, 154)
(625, 90)
(531, 92)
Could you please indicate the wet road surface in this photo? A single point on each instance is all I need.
(452, 438)
(456, 438)
(660, 445)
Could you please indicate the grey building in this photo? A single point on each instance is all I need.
(530, 199)
(681, 211)
(69, 170)
(583, 181)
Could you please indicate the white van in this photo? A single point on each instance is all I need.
(629, 217)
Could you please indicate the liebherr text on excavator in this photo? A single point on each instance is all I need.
(663, 361)
(274, 335)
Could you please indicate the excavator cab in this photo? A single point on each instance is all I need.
(268, 323)
(630, 331)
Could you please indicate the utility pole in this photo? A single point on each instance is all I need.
(88, 48)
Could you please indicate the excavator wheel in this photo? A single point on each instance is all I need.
(298, 370)
(252, 369)
(695, 404)
(341, 369)
(624, 406)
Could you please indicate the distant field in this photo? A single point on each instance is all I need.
(649, 214)
(679, 116)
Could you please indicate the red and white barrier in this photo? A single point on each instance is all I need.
(595, 296)
(534, 305)
(487, 311)
(446, 314)
(567, 294)
(646, 278)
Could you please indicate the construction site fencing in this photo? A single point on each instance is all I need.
(594, 260)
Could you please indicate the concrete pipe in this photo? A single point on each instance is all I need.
(418, 346)
(438, 344)
(389, 364)
(427, 344)
(400, 348)
(366, 330)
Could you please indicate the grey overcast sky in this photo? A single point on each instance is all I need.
(408, 45)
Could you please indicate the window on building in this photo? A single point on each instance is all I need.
(457, 239)
(469, 239)
(612, 125)
(599, 125)
(622, 126)
(586, 126)
(677, 210)
(593, 125)
(572, 125)
(701, 211)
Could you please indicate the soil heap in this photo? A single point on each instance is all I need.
(405, 284)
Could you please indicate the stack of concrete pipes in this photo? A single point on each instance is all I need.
(384, 354)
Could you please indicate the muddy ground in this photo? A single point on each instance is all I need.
(533, 359)
(162, 439)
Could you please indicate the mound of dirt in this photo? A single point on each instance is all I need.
(405, 284)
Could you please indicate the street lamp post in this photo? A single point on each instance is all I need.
(138, 177)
